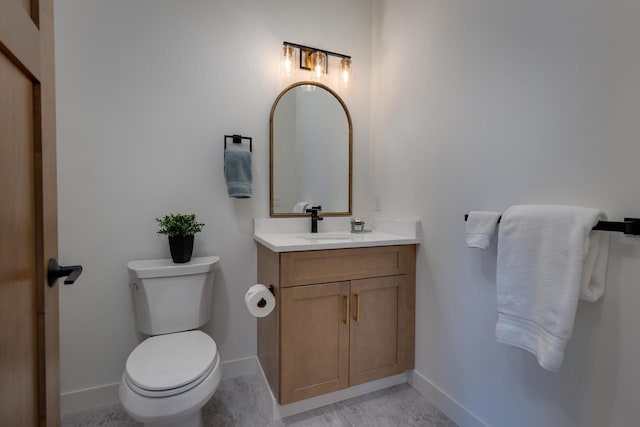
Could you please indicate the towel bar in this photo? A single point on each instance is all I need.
(629, 226)
(237, 139)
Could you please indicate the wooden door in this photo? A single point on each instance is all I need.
(377, 336)
(314, 341)
(29, 342)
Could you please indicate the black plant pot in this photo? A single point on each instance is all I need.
(181, 248)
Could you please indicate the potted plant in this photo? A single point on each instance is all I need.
(180, 228)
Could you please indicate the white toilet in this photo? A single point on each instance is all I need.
(172, 374)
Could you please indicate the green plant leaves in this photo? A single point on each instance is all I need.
(179, 225)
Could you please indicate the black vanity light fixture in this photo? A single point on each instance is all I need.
(315, 60)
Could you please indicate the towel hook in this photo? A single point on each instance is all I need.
(237, 139)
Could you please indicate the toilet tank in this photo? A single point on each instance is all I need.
(172, 297)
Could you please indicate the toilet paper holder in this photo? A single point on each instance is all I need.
(262, 302)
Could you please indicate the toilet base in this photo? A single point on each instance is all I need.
(194, 420)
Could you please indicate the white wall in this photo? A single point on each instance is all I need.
(146, 90)
(484, 104)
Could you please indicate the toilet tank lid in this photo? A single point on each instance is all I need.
(166, 267)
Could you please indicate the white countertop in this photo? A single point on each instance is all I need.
(291, 234)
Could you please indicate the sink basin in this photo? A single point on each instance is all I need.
(325, 236)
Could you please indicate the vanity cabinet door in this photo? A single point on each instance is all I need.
(377, 342)
(314, 340)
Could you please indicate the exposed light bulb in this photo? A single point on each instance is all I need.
(318, 65)
(288, 61)
(345, 72)
(345, 77)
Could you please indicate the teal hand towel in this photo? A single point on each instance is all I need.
(237, 172)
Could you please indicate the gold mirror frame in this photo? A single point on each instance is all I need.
(346, 110)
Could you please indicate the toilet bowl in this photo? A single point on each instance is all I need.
(169, 378)
(171, 375)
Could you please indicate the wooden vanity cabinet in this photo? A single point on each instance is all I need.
(314, 345)
(343, 317)
(377, 333)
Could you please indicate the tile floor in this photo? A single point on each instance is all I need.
(239, 402)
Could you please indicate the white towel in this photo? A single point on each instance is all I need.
(300, 207)
(480, 228)
(548, 257)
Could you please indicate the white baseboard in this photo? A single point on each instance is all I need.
(95, 397)
(239, 367)
(87, 398)
(282, 411)
(447, 404)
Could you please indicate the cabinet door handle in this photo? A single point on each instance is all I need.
(346, 309)
(357, 318)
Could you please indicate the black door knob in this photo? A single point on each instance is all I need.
(55, 271)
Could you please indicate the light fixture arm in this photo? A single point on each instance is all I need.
(315, 49)
(315, 60)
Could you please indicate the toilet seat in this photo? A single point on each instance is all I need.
(169, 392)
(167, 365)
(169, 410)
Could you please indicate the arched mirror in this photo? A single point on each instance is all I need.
(311, 151)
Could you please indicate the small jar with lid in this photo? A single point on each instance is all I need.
(357, 225)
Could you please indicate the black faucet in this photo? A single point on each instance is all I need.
(314, 217)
